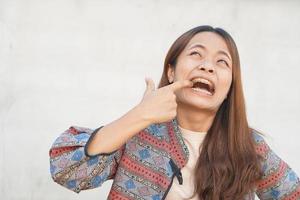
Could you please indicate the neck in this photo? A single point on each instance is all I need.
(194, 119)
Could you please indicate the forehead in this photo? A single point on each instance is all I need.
(210, 40)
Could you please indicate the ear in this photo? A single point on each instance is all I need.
(171, 72)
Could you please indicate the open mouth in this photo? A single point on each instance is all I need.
(203, 85)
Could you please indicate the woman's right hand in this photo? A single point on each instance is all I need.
(159, 105)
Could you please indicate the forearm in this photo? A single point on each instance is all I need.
(115, 134)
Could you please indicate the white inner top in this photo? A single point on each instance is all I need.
(193, 141)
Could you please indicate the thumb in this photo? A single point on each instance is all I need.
(150, 85)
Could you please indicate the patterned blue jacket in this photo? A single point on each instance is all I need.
(145, 166)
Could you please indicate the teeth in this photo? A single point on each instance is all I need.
(201, 90)
(202, 80)
(205, 81)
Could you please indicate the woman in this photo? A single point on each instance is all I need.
(187, 139)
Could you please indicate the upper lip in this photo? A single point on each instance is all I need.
(211, 85)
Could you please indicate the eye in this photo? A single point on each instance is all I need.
(224, 61)
(195, 53)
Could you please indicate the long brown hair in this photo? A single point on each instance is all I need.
(228, 165)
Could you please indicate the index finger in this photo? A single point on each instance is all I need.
(180, 84)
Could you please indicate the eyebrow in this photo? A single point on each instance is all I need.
(203, 47)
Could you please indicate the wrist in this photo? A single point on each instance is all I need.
(140, 112)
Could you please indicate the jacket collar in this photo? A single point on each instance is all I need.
(178, 151)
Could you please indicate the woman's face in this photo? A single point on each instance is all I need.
(207, 62)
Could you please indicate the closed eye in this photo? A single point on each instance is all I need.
(224, 61)
(195, 53)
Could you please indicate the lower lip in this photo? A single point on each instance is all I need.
(201, 92)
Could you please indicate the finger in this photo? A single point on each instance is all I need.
(180, 84)
(150, 85)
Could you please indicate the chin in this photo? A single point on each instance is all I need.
(200, 104)
(199, 101)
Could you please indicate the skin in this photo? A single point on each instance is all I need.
(206, 55)
(194, 111)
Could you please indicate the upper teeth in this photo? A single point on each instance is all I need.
(202, 80)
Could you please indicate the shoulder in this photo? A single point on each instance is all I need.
(158, 130)
(257, 136)
(270, 160)
(261, 146)
(278, 180)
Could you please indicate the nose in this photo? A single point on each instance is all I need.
(206, 66)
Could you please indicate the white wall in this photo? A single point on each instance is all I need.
(76, 62)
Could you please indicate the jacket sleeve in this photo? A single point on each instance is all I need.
(279, 181)
(73, 168)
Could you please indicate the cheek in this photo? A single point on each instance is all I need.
(183, 69)
(225, 82)
(181, 73)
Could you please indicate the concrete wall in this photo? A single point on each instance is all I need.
(83, 62)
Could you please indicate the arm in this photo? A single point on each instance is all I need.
(279, 181)
(79, 158)
(82, 158)
(121, 129)
(73, 169)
